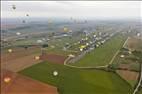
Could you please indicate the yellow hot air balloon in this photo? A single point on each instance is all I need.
(10, 50)
(82, 46)
(55, 73)
(37, 57)
(7, 79)
(66, 29)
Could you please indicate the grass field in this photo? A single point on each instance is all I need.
(129, 60)
(77, 81)
(102, 56)
(140, 92)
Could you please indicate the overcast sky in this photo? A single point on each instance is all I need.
(78, 9)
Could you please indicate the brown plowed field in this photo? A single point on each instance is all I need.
(19, 58)
(134, 43)
(53, 58)
(128, 75)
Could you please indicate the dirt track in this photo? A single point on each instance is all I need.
(20, 84)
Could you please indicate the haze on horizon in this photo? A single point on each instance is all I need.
(75, 9)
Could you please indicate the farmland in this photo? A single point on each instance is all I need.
(72, 80)
(128, 66)
(42, 57)
(78, 81)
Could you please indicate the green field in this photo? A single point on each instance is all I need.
(140, 91)
(129, 59)
(102, 55)
(78, 81)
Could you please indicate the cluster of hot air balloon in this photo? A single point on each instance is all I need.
(14, 8)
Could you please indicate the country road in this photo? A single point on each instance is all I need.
(139, 83)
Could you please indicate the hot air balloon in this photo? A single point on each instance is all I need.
(66, 29)
(27, 14)
(13, 7)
